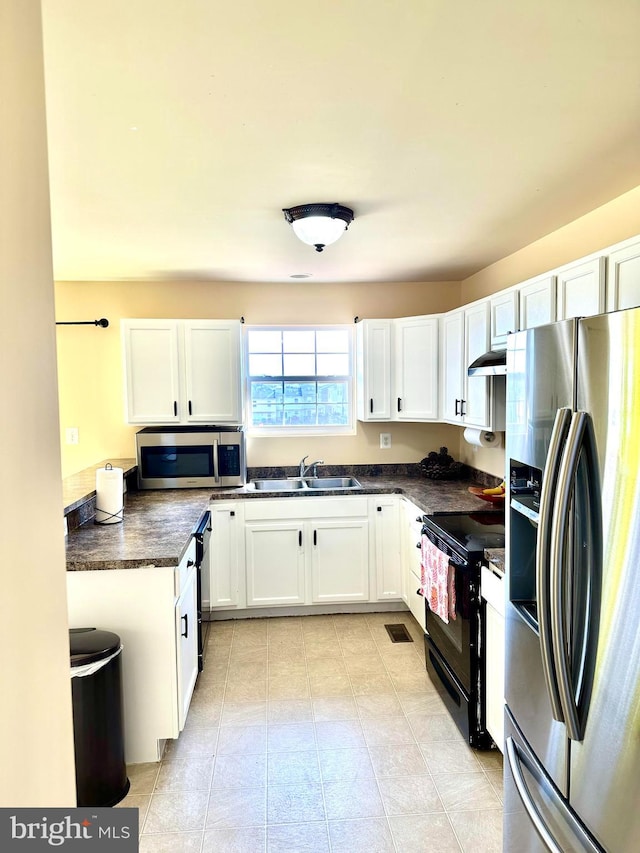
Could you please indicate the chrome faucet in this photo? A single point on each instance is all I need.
(304, 469)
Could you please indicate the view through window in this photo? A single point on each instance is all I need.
(300, 378)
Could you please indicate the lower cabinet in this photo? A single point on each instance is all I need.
(339, 560)
(226, 558)
(411, 556)
(275, 563)
(186, 614)
(492, 594)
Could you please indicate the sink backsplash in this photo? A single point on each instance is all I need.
(410, 470)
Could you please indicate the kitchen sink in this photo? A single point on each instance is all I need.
(298, 484)
(333, 483)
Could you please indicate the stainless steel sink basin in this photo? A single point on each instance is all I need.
(333, 483)
(278, 485)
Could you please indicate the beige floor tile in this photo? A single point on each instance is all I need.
(294, 803)
(315, 648)
(284, 687)
(429, 728)
(172, 842)
(345, 800)
(358, 646)
(404, 759)
(466, 792)
(385, 731)
(425, 833)
(379, 705)
(496, 779)
(253, 654)
(490, 759)
(412, 682)
(478, 831)
(368, 665)
(345, 765)
(449, 757)
(339, 734)
(239, 771)
(288, 668)
(251, 691)
(239, 713)
(289, 711)
(142, 778)
(298, 837)
(193, 742)
(214, 672)
(204, 712)
(368, 835)
(286, 653)
(324, 686)
(288, 768)
(334, 708)
(247, 671)
(136, 801)
(326, 666)
(242, 740)
(239, 839)
(237, 807)
(176, 812)
(410, 795)
(185, 774)
(426, 702)
(210, 691)
(290, 737)
(368, 685)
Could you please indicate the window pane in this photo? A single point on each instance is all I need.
(334, 415)
(299, 392)
(299, 415)
(299, 341)
(332, 340)
(265, 365)
(333, 364)
(265, 341)
(332, 392)
(266, 393)
(299, 365)
(267, 417)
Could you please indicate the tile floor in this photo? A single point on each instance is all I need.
(313, 734)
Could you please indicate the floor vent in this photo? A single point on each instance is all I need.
(399, 633)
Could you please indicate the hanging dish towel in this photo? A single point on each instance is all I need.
(437, 578)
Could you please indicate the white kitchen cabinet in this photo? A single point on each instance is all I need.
(226, 548)
(275, 563)
(411, 554)
(476, 405)
(186, 622)
(623, 276)
(581, 289)
(493, 596)
(385, 512)
(537, 300)
(182, 371)
(339, 560)
(373, 371)
(451, 354)
(504, 317)
(415, 356)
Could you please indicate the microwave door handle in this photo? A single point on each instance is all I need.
(216, 471)
(543, 568)
(560, 525)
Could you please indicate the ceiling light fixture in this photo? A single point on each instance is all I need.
(319, 224)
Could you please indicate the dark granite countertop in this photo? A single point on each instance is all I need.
(496, 556)
(81, 487)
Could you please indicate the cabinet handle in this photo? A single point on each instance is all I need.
(457, 404)
(419, 545)
(419, 519)
(371, 405)
(462, 411)
(190, 407)
(186, 626)
(379, 509)
(315, 537)
(175, 407)
(399, 404)
(232, 513)
(190, 563)
(300, 538)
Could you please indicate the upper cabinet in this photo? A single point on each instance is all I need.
(581, 289)
(182, 371)
(397, 374)
(623, 276)
(537, 301)
(504, 317)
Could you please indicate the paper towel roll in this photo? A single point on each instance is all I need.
(481, 438)
(109, 495)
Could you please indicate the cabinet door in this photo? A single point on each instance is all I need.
(580, 289)
(187, 645)
(537, 302)
(504, 317)
(212, 371)
(452, 326)
(339, 560)
(416, 369)
(225, 558)
(152, 378)
(388, 552)
(374, 370)
(495, 675)
(411, 562)
(477, 396)
(275, 563)
(623, 278)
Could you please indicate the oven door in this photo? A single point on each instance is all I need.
(456, 640)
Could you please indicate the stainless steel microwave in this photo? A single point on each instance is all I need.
(186, 457)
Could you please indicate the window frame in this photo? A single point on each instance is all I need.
(281, 431)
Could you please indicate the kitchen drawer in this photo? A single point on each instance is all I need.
(184, 567)
(326, 507)
(492, 589)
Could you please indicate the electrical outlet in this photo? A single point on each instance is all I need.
(385, 440)
(72, 435)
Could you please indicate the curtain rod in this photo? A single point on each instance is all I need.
(104, 323)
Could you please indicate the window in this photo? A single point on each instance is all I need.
(300, 379)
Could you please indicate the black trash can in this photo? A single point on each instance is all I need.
(98, 723)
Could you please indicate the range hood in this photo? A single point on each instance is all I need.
(493, 363)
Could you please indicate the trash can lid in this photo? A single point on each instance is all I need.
(91, 644)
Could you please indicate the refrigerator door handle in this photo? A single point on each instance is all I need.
(560, 524)
(543, 564)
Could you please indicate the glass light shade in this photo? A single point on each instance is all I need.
(319, 230)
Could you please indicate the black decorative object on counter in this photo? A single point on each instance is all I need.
(441, 466)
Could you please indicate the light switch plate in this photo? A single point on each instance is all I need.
(71, 434)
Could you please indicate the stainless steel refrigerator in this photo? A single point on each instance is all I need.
(572, 719)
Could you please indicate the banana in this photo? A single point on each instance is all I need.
(498, 490)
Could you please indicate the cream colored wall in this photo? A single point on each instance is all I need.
(35, 705)
(90, 364)
(617, 220)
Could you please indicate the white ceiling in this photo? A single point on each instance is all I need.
(457, 131)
